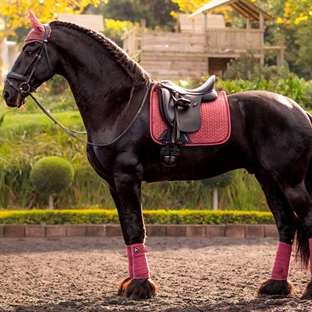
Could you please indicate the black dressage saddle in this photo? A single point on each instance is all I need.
(180, 108)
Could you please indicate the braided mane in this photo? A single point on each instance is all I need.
(134, 70)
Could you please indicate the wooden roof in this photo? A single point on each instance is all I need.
(197, 25)
(244, 7)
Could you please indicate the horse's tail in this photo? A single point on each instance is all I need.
(302, 245)
(302, 240)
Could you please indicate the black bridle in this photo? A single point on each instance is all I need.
(26, 89)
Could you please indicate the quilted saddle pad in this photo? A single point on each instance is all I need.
(215, 121)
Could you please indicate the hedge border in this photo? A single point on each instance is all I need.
(113, 230)
(102, 216)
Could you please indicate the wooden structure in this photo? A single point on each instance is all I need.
(202, 44)
(9, 52)
(94, 22)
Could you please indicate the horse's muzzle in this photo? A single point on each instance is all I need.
(13, 98)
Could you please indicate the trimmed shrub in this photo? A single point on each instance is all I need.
(218, 182)
(104, 216)
(52, 175)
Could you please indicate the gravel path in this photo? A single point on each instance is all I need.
(192, 274)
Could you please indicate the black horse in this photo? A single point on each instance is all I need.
(271, 137)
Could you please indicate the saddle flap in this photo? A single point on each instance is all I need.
(188, 119)
(166, 105)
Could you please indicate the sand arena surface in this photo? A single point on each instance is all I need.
(192, 274)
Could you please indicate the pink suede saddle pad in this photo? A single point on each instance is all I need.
(215, 121)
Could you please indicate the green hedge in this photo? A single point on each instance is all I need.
(101, 216)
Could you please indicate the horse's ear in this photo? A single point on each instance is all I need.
(35, 24)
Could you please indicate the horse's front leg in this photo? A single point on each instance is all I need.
(127, 196)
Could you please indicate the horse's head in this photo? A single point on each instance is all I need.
(31, 68)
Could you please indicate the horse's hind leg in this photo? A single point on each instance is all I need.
(278, 283)
(300, 201)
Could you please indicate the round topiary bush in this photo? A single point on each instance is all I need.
(219, 181)
(52, 175)
(216, 183)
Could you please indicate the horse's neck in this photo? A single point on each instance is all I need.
(100, 86)
(95, 82)
(99, 104)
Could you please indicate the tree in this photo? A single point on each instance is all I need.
(304, 40)
(216, 183)
(15, 14)
(296, 11)
(189, 6)
(52, 175)
(297, 18)
(293, 26)
(241, 68)
(157, 14)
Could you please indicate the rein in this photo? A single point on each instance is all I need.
(25, 89)
(71, 132)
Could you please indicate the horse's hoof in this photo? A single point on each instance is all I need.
(276, 288)
(121, 286)
(137, 288)
(307, 294)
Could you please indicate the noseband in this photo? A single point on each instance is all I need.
(25, 88)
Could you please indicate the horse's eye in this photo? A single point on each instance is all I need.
(28, 53)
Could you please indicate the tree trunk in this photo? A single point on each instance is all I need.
(215, 198)
(50, 201)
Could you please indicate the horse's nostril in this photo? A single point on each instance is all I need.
(6, 94)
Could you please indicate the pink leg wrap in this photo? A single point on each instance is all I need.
(130, 261)
(281, 264)
(137, 261)
(310, 245)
